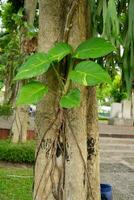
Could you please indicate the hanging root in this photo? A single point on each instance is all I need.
(55, 155)
(81, 155)
(56, 158)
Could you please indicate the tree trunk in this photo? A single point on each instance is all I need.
(93, 146)
(76, 135)
(46, 169)
(61, 156)
(8, 80)
(93, 159)
(30, 8)
(76, 145)
(20, 123)
(7, 86)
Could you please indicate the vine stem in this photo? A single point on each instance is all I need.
(68, 82)
(69, 20)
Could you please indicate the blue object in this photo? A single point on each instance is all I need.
(106, 192)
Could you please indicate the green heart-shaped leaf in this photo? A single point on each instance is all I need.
(36, 65)
(31, 93)
(59, 51)
(89, 73)
(93, 48)
(71, 100)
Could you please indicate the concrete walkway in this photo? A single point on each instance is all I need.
(117, 160)
(116, 131)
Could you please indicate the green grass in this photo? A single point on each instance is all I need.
(16, 183)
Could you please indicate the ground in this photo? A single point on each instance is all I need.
(121, 178)
(117, 167)
(117, 160)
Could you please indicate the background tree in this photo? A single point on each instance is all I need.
(19, 33)
(28, 46)
(10, 50)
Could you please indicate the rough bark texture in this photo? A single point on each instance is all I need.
(20, 123)
(30, 8)
(76, 145)
(61, 170)
(93, 146)
(10, 88)
(50, 22)
(93, 160)
(76, 135)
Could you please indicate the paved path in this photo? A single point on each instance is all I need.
(117, 149)
(116, 131)
(117, 160)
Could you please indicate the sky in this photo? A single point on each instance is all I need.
(3, 1)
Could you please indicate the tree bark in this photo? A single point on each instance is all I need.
(93, 159)
(8, 79)
(61, 156)
(93, 146)
(47, 172)
(30, 9)
(76, 135)
(76, 145)
(20, 124)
